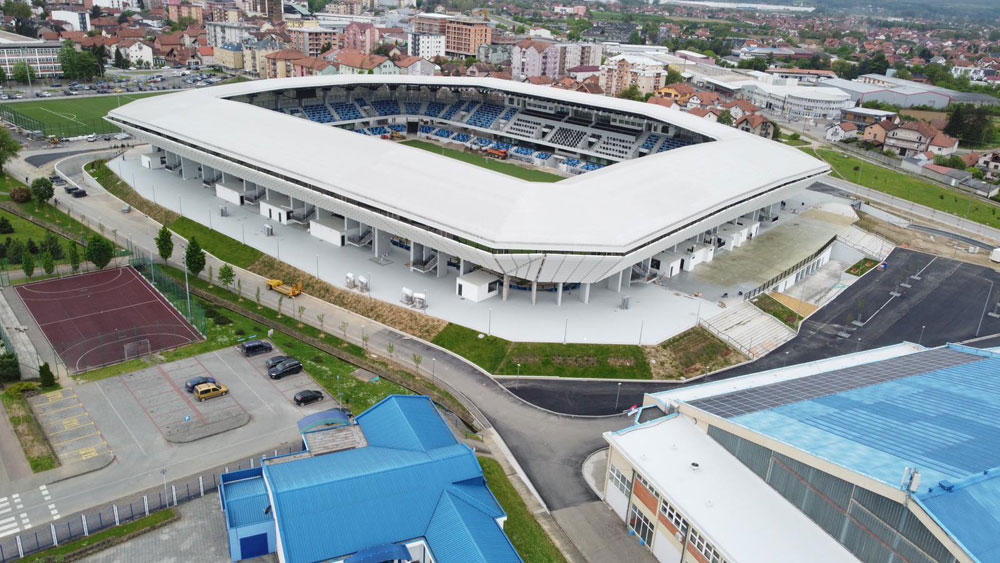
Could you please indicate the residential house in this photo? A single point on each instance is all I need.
(665, 102)
(740, 108)
(533, 57)
(229, 56)
(206, 56)
(351, 61)
(480, 69)
(756, 124)
(910, 137)
(626, 70)
(679, 93)
(255, 53)
(415, 66)
(704, 113)
(312, 66)
(177, 9)
(139, 53)
(279, 63)
(990, 164)
(841, 131)
(943, 144)
(363, 37)
(426, 45)
(876, 132)
(704, 100)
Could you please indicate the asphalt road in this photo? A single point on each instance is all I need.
(953, 236)
(945, 305)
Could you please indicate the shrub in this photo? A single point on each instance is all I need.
(46, 375)
(20, 194)
(10, 369)
(5, 227)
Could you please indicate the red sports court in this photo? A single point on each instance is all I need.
(105, 317)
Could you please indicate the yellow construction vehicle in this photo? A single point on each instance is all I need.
(291, 290)
(396, 136)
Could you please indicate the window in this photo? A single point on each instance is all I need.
(705, 548)
(646, 484)
(638, 523)
(674, 516)
(620, 482)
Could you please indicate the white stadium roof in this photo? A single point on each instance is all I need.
(610, 210)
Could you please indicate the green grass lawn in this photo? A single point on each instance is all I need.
(224, 248)
(73, 115)
(66, 551)
(862, 267)
(29, 433)
(909, 188)
(773, 307)
(691, 353)
(500, 357)
(489, 163)
(527, 535)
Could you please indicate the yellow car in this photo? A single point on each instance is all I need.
(210, 390)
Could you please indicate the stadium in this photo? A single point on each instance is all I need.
(647, 193)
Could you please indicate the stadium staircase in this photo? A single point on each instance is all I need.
(863, 241)
(426, 266)
(751, 331)
(360, 240)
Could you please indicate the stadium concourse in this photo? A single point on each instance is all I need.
(646, 203)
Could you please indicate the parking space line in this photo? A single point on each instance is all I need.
(58, 410)
(252, 390)
(122, 420)
(183, 394)
(75, 439)
(70, 428)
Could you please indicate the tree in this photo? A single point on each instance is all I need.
(5, 227)
(120, 60)
(194, 257)
(15, 252)
(9, 147)
(48, 379)
(53, 245)
(41, 191)
(165, 243)
(24, 73)
(631, 93)
(74, 257)
(325, 47)
(48, 263)
(755, 63)
(226, 275)
(634, 38)
(725, 118)
(20, 194)
(951, 161)
(258, 298)
(28, 264)
(321, 318)
(95, 12)
(3, 75)
(417, 358)
(673, 77)
(99, 251)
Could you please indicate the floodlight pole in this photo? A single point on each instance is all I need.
(617, 395)
(921, 341)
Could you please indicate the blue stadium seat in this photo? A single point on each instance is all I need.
(444, 133)
(398, 128)
(386, 107)
(318, 113)
(426, 129)
(509, 114)
(543, 155)
(347, 111)
(485, 115)
(412, 108)
(462, 138)
(650, 142)
(433, 109)
(378, 131)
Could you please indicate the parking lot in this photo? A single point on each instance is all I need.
(68, 425)
(150, 421)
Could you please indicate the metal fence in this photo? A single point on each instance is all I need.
(177, 295)
(125, 510)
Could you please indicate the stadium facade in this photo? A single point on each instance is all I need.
(650, 192)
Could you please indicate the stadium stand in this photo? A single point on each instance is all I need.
(452, 110)
(433, 109)
(543, 155)
(509, 114)
(347, 111)
(378, 131)
(398, 128)
(412, 108)
(485, 115)
(523, 150)
(482, 141)
(671, 143)
(500, 146)
(462, 138)
(525, 127)
(566, 137)
(319, 113)
(615, 147)
(650, 142)
(444, 133)
(426, 129)
(386, 107)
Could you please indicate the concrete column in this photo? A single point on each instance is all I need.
(412, 246)
(615, 282)
(585, 294)
(559, 287)
(461, 265)
(506, 286)
(381, 242)
(442, 267)
(534, 292)
(627, 276)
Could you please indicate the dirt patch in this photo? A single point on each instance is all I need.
(621, 362)
(690, 354)
(575, 361)
(409, 321)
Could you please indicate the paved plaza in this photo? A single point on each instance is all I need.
(603, 320)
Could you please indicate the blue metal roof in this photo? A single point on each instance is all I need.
(343, 503)
(246, 502)
(459, 531)
(970, 512)
(944, 422)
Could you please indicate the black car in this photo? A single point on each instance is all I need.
(275, 360)
(307, 396)
(80, 193)
(286, 367)
(71, 189)
(190, 384)
(255, 347)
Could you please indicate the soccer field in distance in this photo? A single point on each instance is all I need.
(70, 116)
(507, 168)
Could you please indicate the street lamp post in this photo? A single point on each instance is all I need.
(617, 395)
(921, 341)
(517, 381)
(434, 370)
(489, 324)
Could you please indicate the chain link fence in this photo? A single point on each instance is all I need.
(127, 509)
(66, 127)
(177, 295)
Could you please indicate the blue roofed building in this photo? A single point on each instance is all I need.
(392, 485)
(892, 454)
